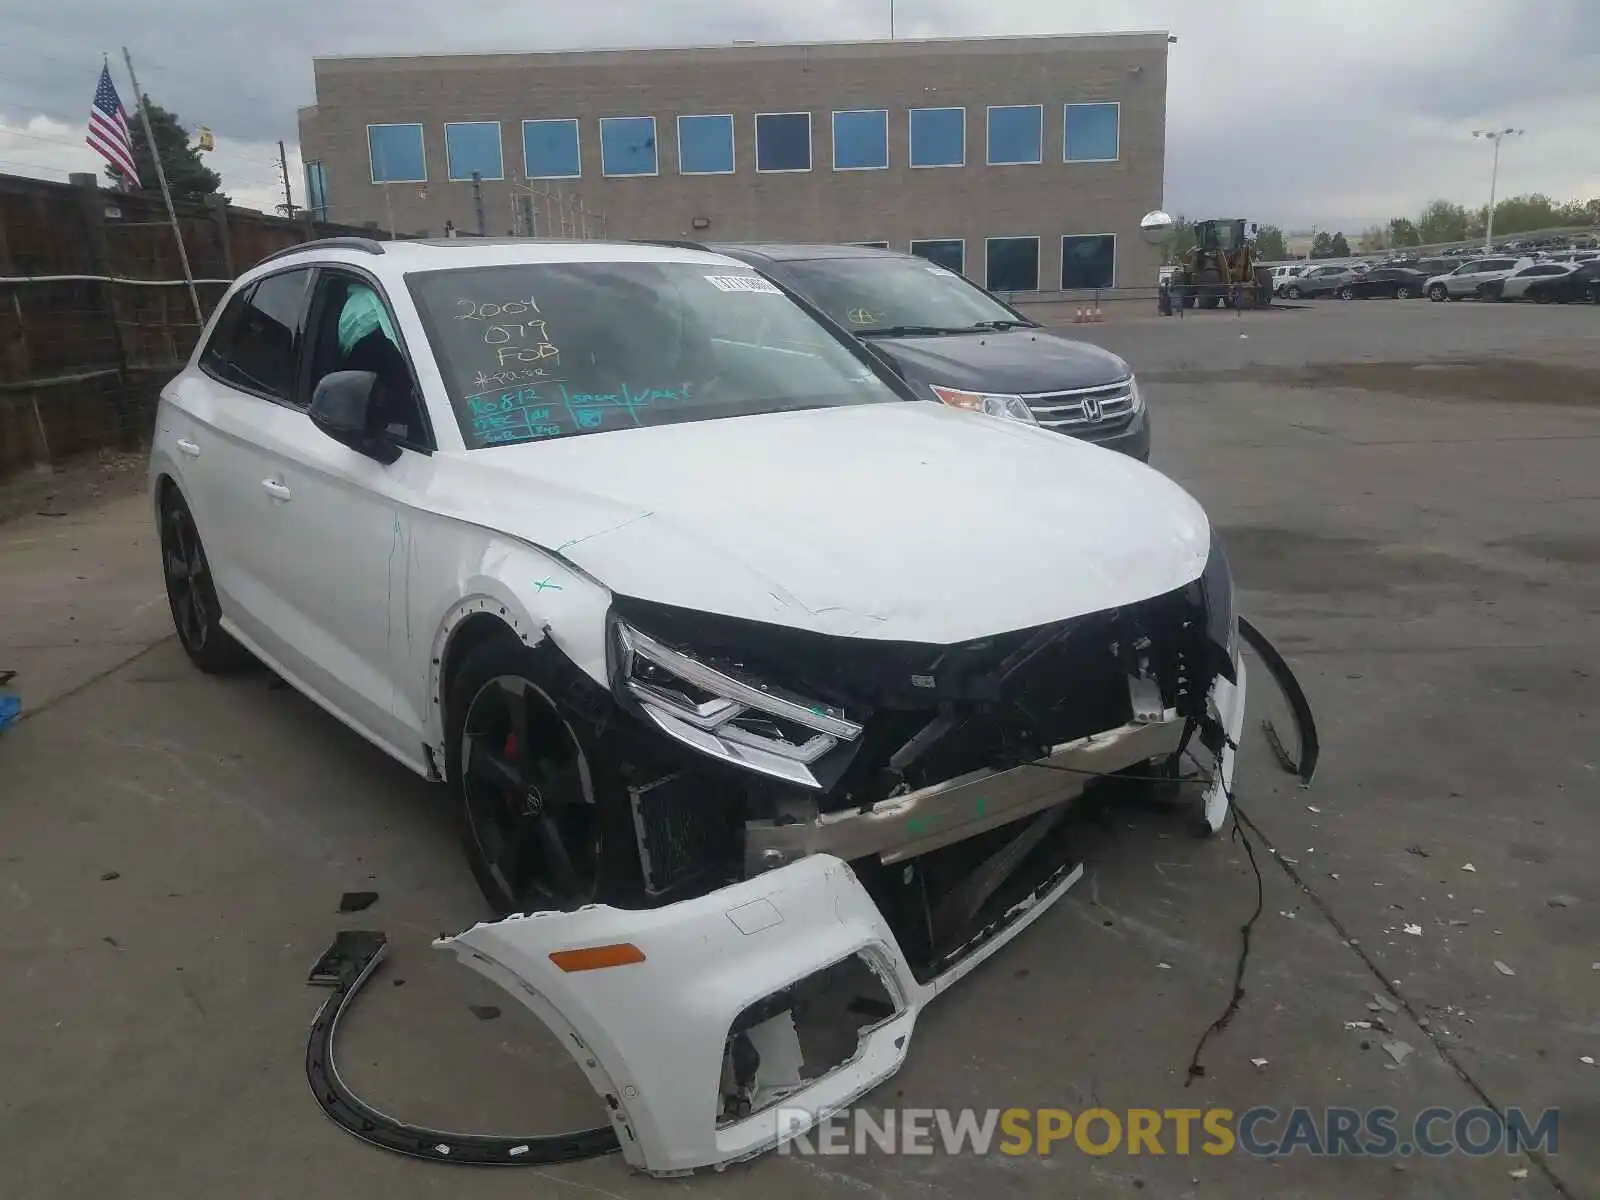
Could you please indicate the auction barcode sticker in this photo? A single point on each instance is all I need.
(742, 283)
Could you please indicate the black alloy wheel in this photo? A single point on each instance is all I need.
(531, 820)
(191, 594)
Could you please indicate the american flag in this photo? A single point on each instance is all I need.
(108, 128)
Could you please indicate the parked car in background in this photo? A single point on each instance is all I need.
(1575, 286)
(1283, 274)
(1514, 285)
(1400, 283)
(1465, 280)
(956, 343)
(1318, 281)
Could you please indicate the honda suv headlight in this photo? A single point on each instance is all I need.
(993, 404)
(738, 720)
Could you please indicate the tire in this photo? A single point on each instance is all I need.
(192, 594)
(1437, 293)
(1402, 292)
(544, 817)
(1292, 291)
(1347, 292)
(1540, 297)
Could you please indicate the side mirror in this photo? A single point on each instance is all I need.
(345, 407)
(1156, 227)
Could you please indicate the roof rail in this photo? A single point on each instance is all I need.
(670, 243)
(365, 245)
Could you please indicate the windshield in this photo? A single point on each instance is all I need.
(882, 293)
(536, 351)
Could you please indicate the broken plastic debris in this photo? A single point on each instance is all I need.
(1520, 1173)
(1414, 930)
(1383, 1002)
(1399, 1051)
(1358, 1024)
(1258, 1063)
(1468, 867)
(357, 901)
(1587, 1060)
(1164, 966)
(1290, 915)
(1312, 808)
(1502, 968)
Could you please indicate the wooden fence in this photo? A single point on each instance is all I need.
(94, 314)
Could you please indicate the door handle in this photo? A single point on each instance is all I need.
(276, 490)
(189, 448)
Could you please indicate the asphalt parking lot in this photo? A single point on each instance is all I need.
(1410, 494)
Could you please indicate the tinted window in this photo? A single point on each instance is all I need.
(473, 147)
(705, 145)
(537, 351)
(355, 331)
(255, 348)
(550, 149)
(938, 137)
(1088, 261)
(1545, 270)
(1013, 264)
(861, 140)
(881, 293)
(1016, 134)
(1499, 264)
(1091, 132)
(783, 142)
(396, 153)
(949, 253)
(628, 145)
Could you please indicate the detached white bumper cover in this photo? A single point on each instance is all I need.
(651, 1034)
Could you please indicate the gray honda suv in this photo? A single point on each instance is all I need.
(958, 344)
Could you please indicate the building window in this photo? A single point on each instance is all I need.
(550, 149)
(1092, 132)
(1088, 260)
(949, 253)
(783, 141)
(396, 154)
(861, 140)
(473, 146)
(705, 145)
(1016, 134)
(1013, 264)
(628, 146)
(317, 190)
(938, 137)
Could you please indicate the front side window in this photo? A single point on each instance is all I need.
(1092, 132)
(705, 145)
(473, 148)
(537, 351)
(861, 140)
(256, 343)
(1013, 264)
(949, 253)
(628, 145)
(783, 141)
(938, 137)
(396, 154)
(1016, 134)
(876, 294)
(550, 149)
(354, 331)
(1088, 261)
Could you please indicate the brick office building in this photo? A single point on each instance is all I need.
(1025, 162)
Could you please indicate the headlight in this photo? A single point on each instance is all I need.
(1134, 394)
(740, 721)
(994, 404)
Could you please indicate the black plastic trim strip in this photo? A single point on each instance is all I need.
(348, 965)
(1299, 706)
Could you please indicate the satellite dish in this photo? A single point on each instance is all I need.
(1155, 227)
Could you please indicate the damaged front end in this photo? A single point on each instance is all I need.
(835, 830)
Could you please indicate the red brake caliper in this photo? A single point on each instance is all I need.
(512, 798)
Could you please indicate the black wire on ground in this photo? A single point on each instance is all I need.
(1196, 1068)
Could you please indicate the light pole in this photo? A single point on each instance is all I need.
(1496, 136)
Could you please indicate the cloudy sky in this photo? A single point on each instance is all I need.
(1334, 113)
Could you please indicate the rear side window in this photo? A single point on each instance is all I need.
(255, 344)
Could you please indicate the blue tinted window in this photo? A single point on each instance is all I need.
(396, 153)
(938, 137)
(628, 145)
(705, 145)
(1013, 264)
(473, 146)
(1016, 134)
(861, 139)
(550, 149)
(316, 190)
(1088, 260)
(1091, 132)
(949, 253)
(783, 141)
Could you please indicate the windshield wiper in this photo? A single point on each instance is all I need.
(907, 331)
(1006, 324)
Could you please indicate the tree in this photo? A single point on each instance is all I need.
(1270, 246)
(1178, 242)
(1322, 246)
(1403, 232)
(1338, 248)
(187, 176)
(1442, 221)
(1374, 238)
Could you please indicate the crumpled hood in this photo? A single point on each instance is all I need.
(898, 521)
(1015, 360)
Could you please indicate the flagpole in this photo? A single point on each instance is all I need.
(166, 194)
